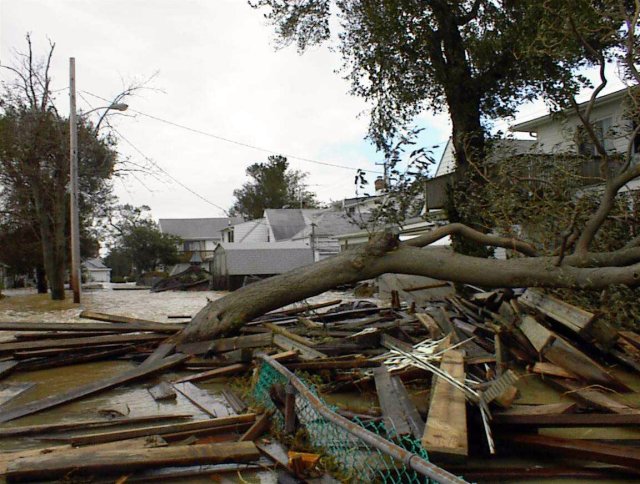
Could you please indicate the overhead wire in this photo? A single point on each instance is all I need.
(236, 142)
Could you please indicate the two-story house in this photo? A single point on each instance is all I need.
(197, 235)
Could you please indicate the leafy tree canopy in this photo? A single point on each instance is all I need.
(138, 243)
(273, 185)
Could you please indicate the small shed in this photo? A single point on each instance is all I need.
(232, 263)
(96, 271)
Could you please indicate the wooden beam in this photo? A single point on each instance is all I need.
(9, 391)
(546, 409)
(122, 461)
(583, 323)
(90, 326)
(622, 455)
(114, 318)
(7, 366)
(227, 344)
(202, 399)
(216, 373)
(87, 424)
(410, 411)
(102, 437)
(305, 352)
(591, 397)
(445, 433)
(569, 420)
(92, 388)
(80, 342)
(394, 418)
(260, 426)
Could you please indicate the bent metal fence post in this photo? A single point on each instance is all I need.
(358, 448)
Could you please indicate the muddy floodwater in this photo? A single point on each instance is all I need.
(134, 400)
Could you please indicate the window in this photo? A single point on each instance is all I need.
(230, 236)
(603, 131)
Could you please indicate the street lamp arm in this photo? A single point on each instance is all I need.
(113, 106)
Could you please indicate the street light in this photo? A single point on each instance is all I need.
(75, 275)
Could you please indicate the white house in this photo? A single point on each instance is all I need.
(96, 271)
(197, 234)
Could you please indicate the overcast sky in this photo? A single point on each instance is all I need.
(217, 73)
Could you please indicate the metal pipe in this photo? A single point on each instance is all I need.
(409, 459)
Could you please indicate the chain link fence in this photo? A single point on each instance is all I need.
(361, 450)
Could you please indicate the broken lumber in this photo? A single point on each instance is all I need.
(96, 327)
(120, 461)
(213, 423)
(216, 373)
(87, 424)
(80, 342)
(622, 455)
(394, 418)
(9, 391)
(202, 399)
(445, 433)
(305, 352)
(226, 344)
(141, 371)
(591, 397)
(569, 420)
(584, 323)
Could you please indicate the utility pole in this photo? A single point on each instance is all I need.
(76, 281)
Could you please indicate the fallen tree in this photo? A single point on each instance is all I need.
(580, 254)
(384, 254)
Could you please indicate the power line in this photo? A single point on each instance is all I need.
(169, 174)
(238, 143)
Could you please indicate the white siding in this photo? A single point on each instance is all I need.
(559, 135)
(252, 231)
(447, 161)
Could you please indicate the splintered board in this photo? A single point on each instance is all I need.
(445, 433)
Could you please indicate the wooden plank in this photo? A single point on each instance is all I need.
(538, 335)
(430, 324)
(202, 399)
(114, 318)
(543, 368)
(573, 360)
(394, 418)
(569, 420)
(260, 426)
(87, 424)
(631, 337)
(445, 433)
(74, 359)
(7, 366)
(546, 409)
(162, 391)
(9, 391)
(288, 334)
(578, 320)
(7, 457)
(622, 455)
(90, 326)
(573, 317)
(91, 388)
(80, 342)
(306, 352)
(591, 397)
(216, 373)
(112, 436)
(226, 344)
(410, 411)
(234, 401)
(122, 461)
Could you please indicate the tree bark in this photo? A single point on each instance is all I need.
(41, 280)
(383, 254)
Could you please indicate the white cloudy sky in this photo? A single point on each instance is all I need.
(217, 72)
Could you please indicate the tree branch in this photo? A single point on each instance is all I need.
(471, 234)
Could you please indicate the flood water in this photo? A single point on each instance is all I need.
(135, 400)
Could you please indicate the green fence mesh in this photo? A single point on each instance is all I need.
(357, 460)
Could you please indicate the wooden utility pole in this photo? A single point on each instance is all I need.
(76, 281)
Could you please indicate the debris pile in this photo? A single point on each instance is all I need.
(405, 393)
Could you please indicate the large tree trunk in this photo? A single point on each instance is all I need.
(383, 255)
(41, 280)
